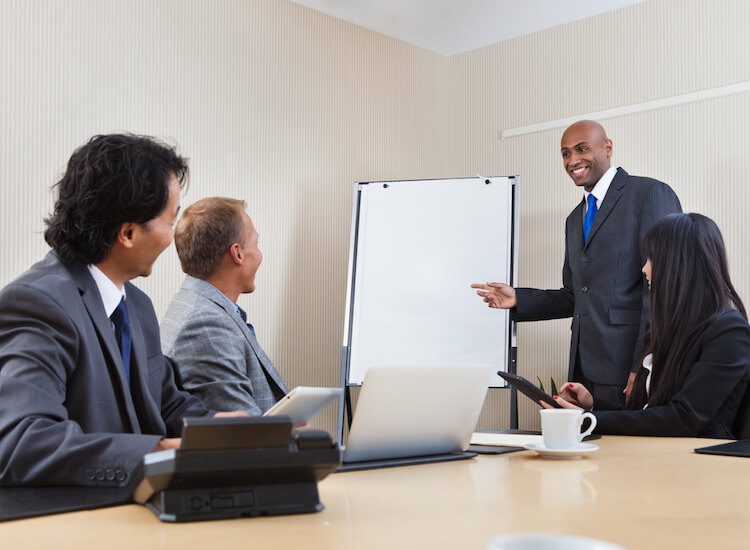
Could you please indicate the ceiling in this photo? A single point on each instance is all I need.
(453, 26)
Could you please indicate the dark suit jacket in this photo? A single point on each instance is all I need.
(711, 384)
(603, 287)
(67, 416)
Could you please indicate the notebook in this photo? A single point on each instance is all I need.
(408, 415)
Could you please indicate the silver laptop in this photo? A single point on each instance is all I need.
(416, 411)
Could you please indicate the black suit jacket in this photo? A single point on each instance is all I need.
(603, 287)
(711, 384)
(67, 414)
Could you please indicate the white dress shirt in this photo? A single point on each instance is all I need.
(648, 364)
(111, 294)
(600, 189)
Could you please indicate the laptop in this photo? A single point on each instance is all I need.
(408, 415)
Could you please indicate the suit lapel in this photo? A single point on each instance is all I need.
(139, 364)
(575, 244)
(92, 300)
(608, 204)
(212, 293)
(263, 359)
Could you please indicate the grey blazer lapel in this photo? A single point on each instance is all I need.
(92, 300)
(264, 360)
(610, 201)
(212, 293)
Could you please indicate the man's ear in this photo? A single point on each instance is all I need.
(608, 147)
(235, 253)
(126, 234)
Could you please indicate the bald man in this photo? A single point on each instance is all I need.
(603, 288)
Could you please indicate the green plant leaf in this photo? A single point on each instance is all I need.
(541, 386)
(553, 391)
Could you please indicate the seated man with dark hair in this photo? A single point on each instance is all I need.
(85, 391)
(204, 330)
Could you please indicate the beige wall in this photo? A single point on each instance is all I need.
(648, 51)
(286, 107)
(273, 103)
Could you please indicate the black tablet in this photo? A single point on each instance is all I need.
(735, 448)
(527, 388)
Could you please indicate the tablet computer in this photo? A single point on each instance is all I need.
(527, 388)
(302, 403)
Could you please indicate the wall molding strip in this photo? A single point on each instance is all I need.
(662, 103)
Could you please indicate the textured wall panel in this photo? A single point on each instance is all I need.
(274, 103)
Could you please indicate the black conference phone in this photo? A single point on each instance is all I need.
(235, 467)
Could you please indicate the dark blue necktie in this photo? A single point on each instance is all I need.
(590, 215)
(121, 322)
(244, 320)
(278, 393)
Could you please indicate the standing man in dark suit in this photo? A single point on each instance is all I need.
(85, 391)
(603, 287)
(204, 331)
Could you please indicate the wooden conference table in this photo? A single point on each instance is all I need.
(636, 492)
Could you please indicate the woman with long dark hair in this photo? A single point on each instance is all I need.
(697, 364)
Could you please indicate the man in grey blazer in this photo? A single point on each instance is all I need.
(204, 331)
(85, 391)
(603, 288)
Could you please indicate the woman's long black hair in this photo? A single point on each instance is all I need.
(690, 286)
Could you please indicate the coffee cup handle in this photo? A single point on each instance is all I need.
(592, 418)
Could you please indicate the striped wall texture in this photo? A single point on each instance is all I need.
(285, 107)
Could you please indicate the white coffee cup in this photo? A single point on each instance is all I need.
(561, 428)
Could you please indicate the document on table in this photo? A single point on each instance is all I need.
(504, 440)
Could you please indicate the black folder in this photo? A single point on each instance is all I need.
(734, 448)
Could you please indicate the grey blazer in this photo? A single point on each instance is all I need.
(67, 414)
(218, 358)
(603, 287)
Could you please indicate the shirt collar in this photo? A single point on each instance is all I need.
(648, 364)
(601, 187)
(229, 302)
(109, 291)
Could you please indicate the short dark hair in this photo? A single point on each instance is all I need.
(205, 232)
(111, 180)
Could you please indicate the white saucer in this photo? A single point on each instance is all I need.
(582, 449)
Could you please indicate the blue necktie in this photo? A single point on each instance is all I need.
(244, 320)
(278, 393)
(121, 322)
(590, 215)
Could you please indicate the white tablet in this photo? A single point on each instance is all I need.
(302, 403)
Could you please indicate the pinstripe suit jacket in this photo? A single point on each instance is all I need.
(218, 358)
(603, 287)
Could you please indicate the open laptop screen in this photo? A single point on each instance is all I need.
(413, 411)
